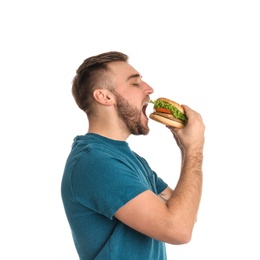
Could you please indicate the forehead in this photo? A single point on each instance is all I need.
(122, 70)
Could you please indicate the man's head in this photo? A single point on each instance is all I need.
(110, 90)
(93, 73)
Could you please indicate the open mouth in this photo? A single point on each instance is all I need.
(144, 109)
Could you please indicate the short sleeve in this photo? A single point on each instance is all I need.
(105, 186)
(159, 184)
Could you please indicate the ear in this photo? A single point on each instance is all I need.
(104, 96)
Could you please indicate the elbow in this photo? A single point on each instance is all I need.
(180, 236)
(184, 238)
(180, 230)
(180, 239)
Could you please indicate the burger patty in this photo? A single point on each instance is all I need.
(168, 116)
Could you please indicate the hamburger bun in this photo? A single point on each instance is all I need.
(166, 121)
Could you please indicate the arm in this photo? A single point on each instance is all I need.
(173, 219)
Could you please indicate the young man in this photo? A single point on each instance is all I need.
(117, 207)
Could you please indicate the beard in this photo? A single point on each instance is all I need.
(130, 115)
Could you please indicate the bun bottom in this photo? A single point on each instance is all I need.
(166, 121)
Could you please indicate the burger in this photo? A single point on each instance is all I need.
(168, 113)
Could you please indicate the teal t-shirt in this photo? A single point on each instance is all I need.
(100, 176)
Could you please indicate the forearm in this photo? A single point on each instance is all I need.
(184, 202)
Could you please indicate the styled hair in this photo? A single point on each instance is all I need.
(92, 74)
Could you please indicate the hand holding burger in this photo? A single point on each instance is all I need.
(168, 113)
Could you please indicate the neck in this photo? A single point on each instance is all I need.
(113, 129)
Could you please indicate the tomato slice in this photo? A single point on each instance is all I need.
(163, 110)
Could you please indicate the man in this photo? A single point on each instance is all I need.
(117, 207)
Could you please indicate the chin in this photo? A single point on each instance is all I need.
(142, 130)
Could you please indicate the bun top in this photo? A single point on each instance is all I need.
(173, 103)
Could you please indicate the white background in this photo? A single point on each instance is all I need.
(204, 54)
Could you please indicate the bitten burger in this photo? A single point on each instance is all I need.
(168, 113)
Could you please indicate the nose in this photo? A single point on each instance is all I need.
(148, 89)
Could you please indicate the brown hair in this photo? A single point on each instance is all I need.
(91, 74)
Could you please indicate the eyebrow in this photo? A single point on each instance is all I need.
(137, 75)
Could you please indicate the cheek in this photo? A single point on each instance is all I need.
(132, 99)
